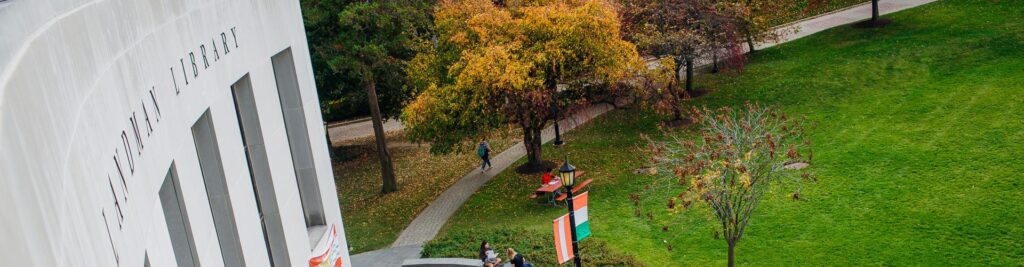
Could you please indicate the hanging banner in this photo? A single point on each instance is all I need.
(563, 239)
(582, 216)
(330, 254)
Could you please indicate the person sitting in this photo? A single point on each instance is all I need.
(517, 259)
(487, 255)
(546, 178)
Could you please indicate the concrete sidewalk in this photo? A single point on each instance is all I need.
(840, 17)
(343, 132)
(429, 222)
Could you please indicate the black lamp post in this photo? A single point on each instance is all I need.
(558, 134)
(568, 174)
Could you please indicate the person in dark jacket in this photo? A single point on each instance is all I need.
(484, 151)
(517, 259)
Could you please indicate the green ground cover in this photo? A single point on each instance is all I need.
(421, 176)
(919, 153)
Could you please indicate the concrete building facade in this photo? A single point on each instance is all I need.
(162, 133)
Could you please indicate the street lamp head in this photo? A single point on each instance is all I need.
(567, 173)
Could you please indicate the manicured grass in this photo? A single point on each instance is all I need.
(374, 221)
(421, 176)
(919, 153)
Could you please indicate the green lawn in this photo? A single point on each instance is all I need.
(422, 176)
(919, 153)
(374, 221)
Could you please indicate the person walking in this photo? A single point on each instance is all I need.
(484, 151)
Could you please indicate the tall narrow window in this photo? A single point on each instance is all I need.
(259, 171)
(178, 227)
(217, 190)
(298, 137)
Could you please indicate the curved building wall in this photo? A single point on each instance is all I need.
(104, 102)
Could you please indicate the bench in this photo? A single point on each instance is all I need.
(554, 188)
(576, 189)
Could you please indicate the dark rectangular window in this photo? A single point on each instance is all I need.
(298, 137)
(178, 226)
(259, 171)
(217, 190)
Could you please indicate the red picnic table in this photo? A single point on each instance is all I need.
(555, 186)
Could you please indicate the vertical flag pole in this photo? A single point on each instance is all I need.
(572, 227)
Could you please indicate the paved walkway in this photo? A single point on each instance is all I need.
(427, 224)
(840, 17)
(343, 132)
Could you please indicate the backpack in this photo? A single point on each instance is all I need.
(481, 150)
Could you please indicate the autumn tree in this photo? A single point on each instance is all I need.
(656, 88)
(496, 64)
(738, 157)
(363, 48)
(759, 19)
(682, 31)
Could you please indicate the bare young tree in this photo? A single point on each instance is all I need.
(739, 156)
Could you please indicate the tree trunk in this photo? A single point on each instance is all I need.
(750, 38)
(750, 43)
(732, 254)
(689, 74)
(749, 34)
(874, 12)
(714, 63)
(387, 171)
(532, 144)
(677, 114)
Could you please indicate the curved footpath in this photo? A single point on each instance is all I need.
(429, 222)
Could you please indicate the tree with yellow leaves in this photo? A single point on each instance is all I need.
(739, 156)
(500, 64)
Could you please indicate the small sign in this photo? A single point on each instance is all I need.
(331, 255)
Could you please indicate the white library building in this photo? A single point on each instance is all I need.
(162, 133)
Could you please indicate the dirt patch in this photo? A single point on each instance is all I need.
(526, 168)
(796, 165)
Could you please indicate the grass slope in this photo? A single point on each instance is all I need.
(374, 221)
(919, 152)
